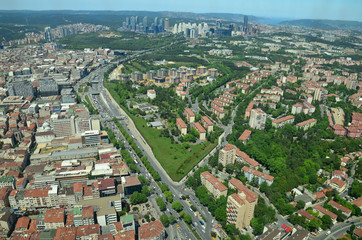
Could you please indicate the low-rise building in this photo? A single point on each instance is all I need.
(207, 123)
(200, 130)
(322, 211)
(190, 115)
(282, 121)
(213, 185)
(345, 211)
(245, 136)
(261, 177)
(54, 218)
(307, 124)
(181, 125)
(152, 231)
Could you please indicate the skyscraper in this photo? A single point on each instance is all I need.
(145, 22)
(156, 21)
(246, 24)
(48, 37)
(167, 24)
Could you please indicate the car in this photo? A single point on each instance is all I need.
(178, 226)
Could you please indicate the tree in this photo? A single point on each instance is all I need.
(229, 168)
(300, 204)
(161, 204)
(164, 187)
(137, 198)
(169, 196)
(188, 219)
(146, 191)
(326, 222)
(182, 213)
(177, 206)
(143, 180)
(356, 189)
(164, 220)
(314, 224)
(171, 219)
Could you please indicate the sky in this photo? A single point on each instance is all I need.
(294, 9)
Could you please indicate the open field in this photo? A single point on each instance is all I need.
(174, 158)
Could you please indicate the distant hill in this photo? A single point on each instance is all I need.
(325, 24)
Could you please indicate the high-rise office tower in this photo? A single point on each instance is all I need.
(246, 19)
(218, 24)
(145, 22)
(156, 21)
(48, 35)
(167, 24)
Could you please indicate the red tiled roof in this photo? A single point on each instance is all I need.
(325, 211)
(54, 215)
(88, 230)
(306, 122)
(245, 135)
(213, 180)
(87, 212)
(339, 206)
(257, 173)
(250, 195)
(181, 123)
(129, 235)
(283, 119)
(306, 214)
(23, 222)
(189, 112)
(151, 230)
(199, 128)
(237, 198)
(207, 120)
(338, 181)
(246, 158)
(66, 233)
(358, 202)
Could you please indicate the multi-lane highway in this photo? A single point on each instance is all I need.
(108, 109)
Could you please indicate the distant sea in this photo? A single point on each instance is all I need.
(271, 21)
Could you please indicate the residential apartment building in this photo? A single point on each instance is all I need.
(227, 155)
(282, 121)
(257, 119)
(207, 123)
(190, 115)
(181, 125)
(213, 185)
(152, 231)
(54, 218)
(240, 205)
(261, 177)
(307, 124)
(245, 136)
(200, 130)
(218, 112)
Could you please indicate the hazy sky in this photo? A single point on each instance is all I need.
(310, 9)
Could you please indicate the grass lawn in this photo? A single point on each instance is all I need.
(174, 158)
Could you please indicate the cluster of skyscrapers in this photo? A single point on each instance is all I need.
(134, 23)
(65, 30)
(193, 30)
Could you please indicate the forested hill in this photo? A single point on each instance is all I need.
(325, 24)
